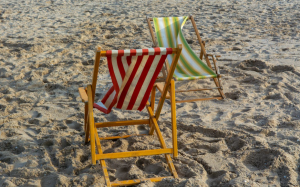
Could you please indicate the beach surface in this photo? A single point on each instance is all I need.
(251, 138)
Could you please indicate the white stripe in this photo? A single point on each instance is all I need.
(134, 82)
(110, 99)
(127, 52)
(124, 63)
(116, 70)
(146, 82)
(128, 73)
(114, 53)
(181, 19)
(163, 32)
(151, 51)
(139, 52)
(163, 51)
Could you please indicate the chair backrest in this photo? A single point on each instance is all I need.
(169, 34)
(133, 73)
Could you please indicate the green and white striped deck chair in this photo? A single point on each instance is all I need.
(190, 67)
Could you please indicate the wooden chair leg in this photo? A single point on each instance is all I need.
(86, 124)
(173, 119)
(217, 80)
(91, 123)
(151, 131)
(218, 85)
(162, 142)
(92, 129)
(87, 132)
(103, 164)
(201, 53)
(85, 116)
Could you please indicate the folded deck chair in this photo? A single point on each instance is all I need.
(189, 67)
(133, 74)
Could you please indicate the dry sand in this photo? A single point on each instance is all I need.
(249, 139)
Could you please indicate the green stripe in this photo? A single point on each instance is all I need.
(188, 66)
(157, 31)
(176, 26)
(183, 59)
(168, 32)
(194, 57)
(176, 29)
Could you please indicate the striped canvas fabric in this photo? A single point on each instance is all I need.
(133, 74)
(169, 34)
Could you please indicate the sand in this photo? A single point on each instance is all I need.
(249, 139)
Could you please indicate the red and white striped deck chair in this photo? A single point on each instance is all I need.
(133, 74)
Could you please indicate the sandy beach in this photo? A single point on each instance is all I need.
(251, 138)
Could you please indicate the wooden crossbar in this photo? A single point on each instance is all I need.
(201, 99)
(133, 153)
(137, 181)
(194, 90)
(118, 137)
(122, 123)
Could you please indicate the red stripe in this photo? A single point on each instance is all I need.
(145, 52)
(112, 74)
(169, 50)
(120, 52)
(157, 51)
(148, 91)
(109, 92)
(108, 53)
(132, 52)
(126, 87)
(128, 60)
(140, 82)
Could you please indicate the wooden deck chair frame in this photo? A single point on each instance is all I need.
(88, 95)
(203, 53)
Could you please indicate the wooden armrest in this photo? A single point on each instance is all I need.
(83, 95)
